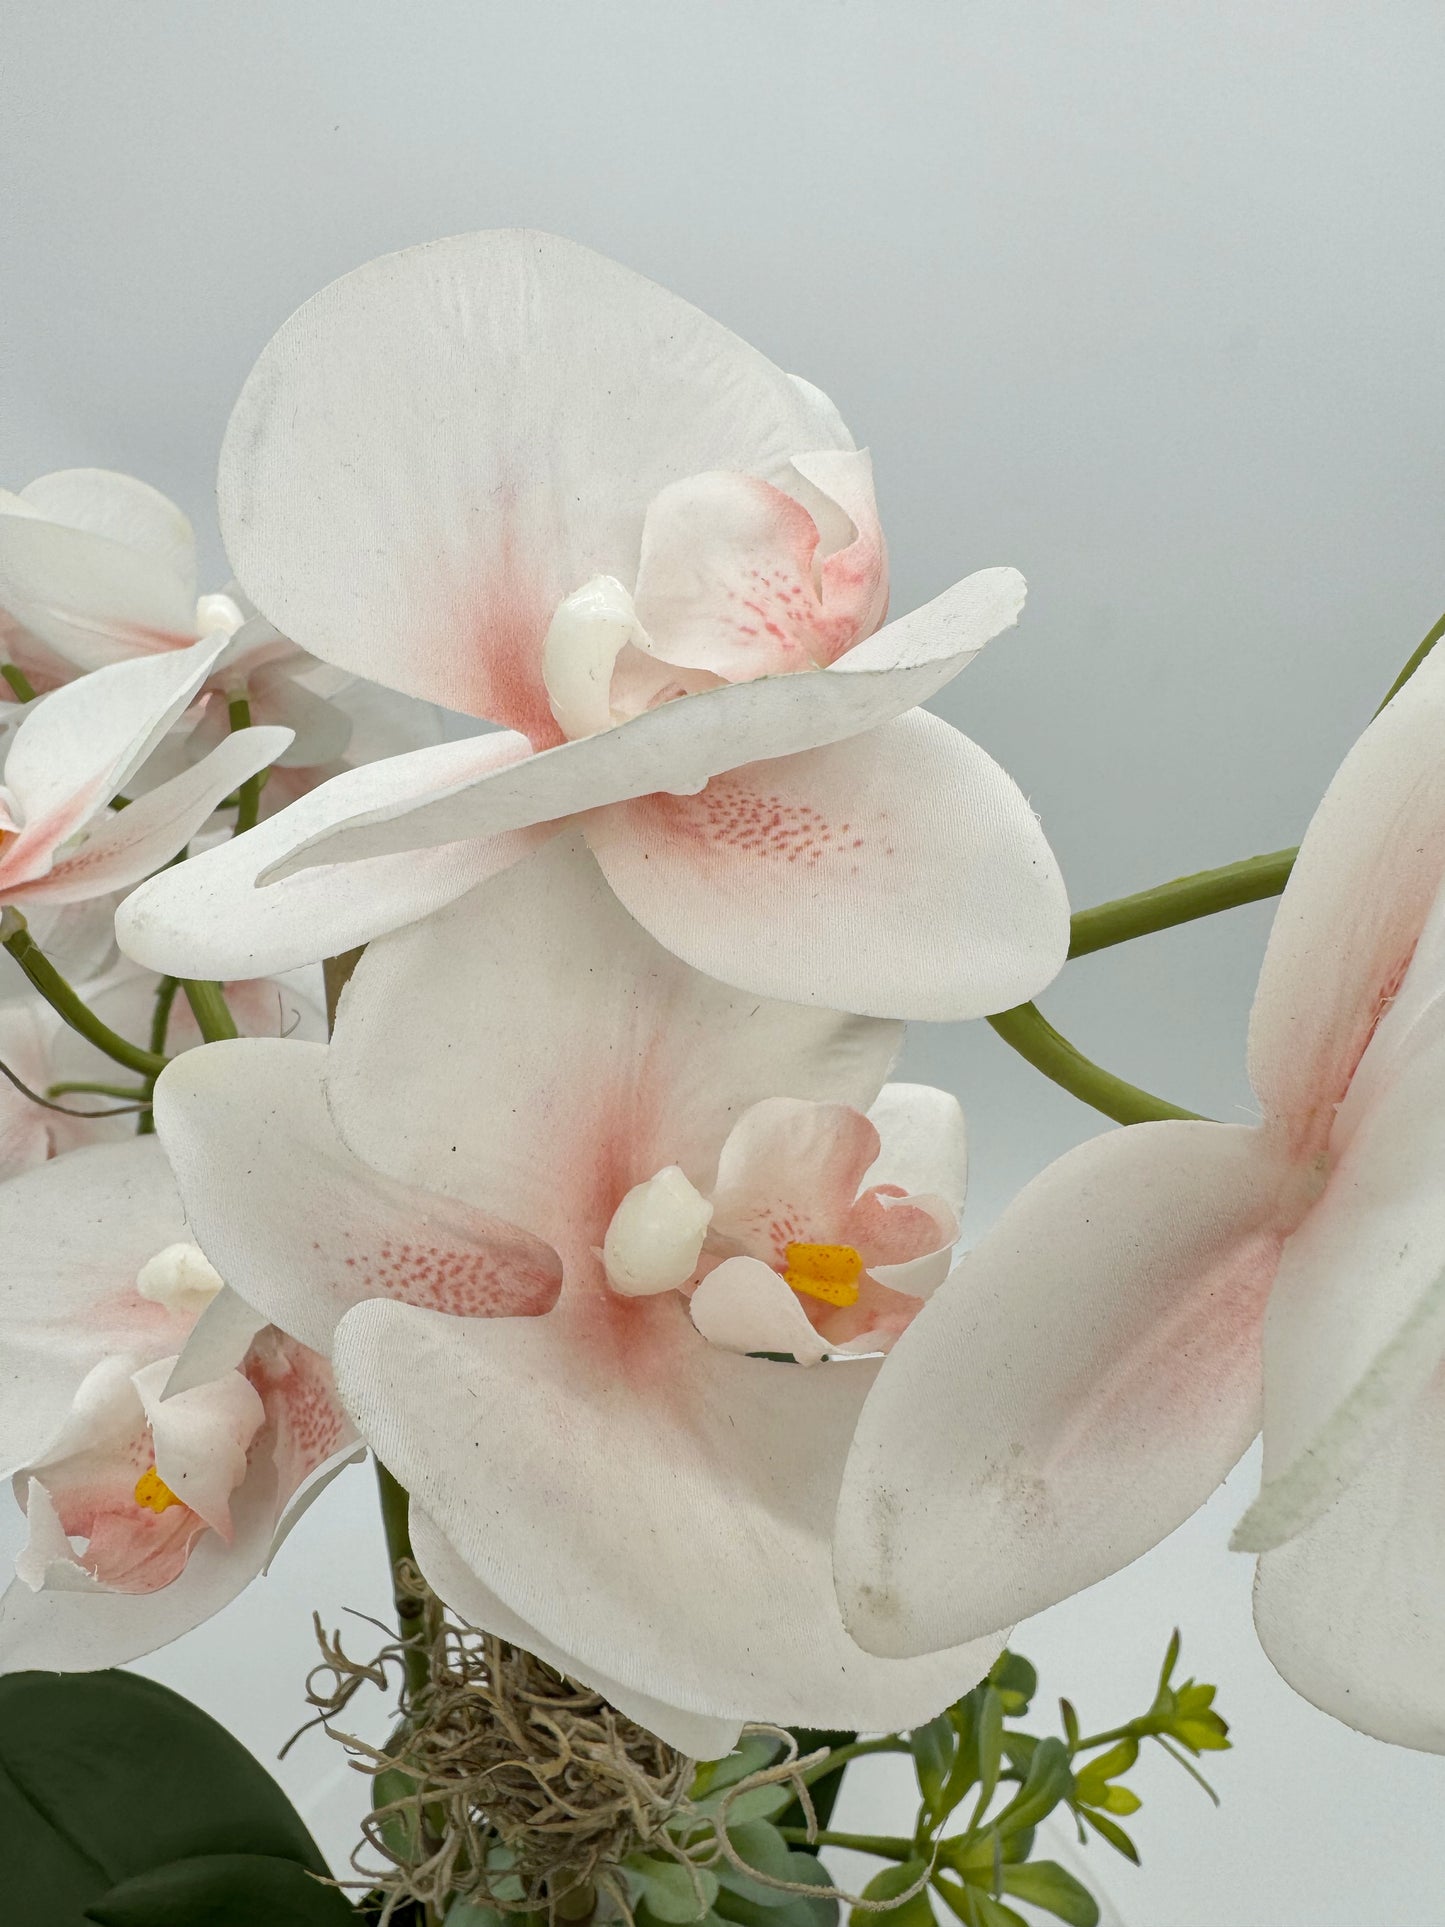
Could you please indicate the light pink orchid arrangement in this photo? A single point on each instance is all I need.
(593, 1209)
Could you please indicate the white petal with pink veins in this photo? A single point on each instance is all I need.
(744, 1306)
(791, 1170)
(679, 1543)
(1367, 875)
(503, 455)
(901, 873)
(576, 1057)
(1087, 1376)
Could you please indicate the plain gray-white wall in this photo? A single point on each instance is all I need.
(1144, 299)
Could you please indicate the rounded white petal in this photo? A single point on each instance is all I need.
(744, 1306)
(655, 1237)
(923, 1142)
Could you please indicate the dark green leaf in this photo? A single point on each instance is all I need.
(674, 1893)
(913, 1912)
(1111, 1831)
(993, 1913)
(1043, 1883)
(990, 1743)
(1049, 1781)
(1017, 1679)
(1071, 1723)
(222, 1890)
(104, 1776)
(932, 1747)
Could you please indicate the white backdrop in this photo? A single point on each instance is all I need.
(1146, 300)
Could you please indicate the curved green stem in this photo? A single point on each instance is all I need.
(75, 1087)
(248, 796)
(45, 978)
(1203, 894)
(410, 1612)
(886, 1846)
(1026, 1030)
(854, 1750)
(1414, 663)
(210, 1010)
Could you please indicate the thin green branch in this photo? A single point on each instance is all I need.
(1026, 1030)
(64, 1001)
(1414, 663)
(410, 1612)
(1203, 894)
(19, 682)
(210, 1010)
(248, 796)
(75, 1086)
(854, 1750)
(886, 1846)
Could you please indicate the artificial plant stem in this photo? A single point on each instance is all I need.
(210, 1010)
(1414, 663)
(410, 1611)
(248, 796)
(76, 1087)
(45, 978)
(19, 682)
(1201, 895)
(886, 1846)
(854, 1750)
(166, 991)
(1026, 1030)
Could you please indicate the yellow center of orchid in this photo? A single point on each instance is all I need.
(829, 1272)
(153, 1494)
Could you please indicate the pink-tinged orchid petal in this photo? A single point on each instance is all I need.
(121, 849)
(678, 746)
(32, 1041)
(99, 566)
(744, 1306)
(1356, 1323)
(59, 1315)
(201, 1438)
(314, 1231)
(694, 1734)
(730, 579)
(1087, 1376)
(581, 1058)
(78, 746)
(923, 1142)
(655, 1507)
(1350, 1610)
(503, 456)
(1368, 871)
(790, 1171)
(900, 874)
(208, 918)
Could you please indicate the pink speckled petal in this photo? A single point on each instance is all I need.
(503, 456)
(682, 1463)
(731, 580)
(559, 1056)
(901, 874)
(311, 1230)
(790, 1171)
(1366, 878)
(1082, 1382)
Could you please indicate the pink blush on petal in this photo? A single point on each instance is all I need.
(466, 1283)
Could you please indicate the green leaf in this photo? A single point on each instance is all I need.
(1071, 1723)
(104, 1776)
(749, 1756)
(1108, 1766)
(913, 1912)
(796, 1910)
(1016, 1679)
(674, 1893)
(1110, 1830)
(932, 1747)
(471, 1913)
(990, 1743)
(223, 1890)
(1043, 1883)
(993, 1913)
(1049, 1781)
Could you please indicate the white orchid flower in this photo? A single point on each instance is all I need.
(73, 753)
(1093, 1369)
(504, 474)
(488, 1199)
(158, 1441)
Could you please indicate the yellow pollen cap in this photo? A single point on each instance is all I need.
(153, 1494)
(829, 1272)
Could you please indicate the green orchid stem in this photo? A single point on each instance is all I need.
(77, 1087)
(410, 1612)
(1026, 1030)
(886, 1846)
(854, 1750)
(166, 991)
(248, 796)
(19, 682)
(45, 978)
(210, 1010)
(1414, 663)
(1204, 894)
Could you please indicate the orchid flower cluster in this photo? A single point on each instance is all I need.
(555, 710)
